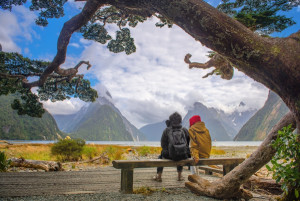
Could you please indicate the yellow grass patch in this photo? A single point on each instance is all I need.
(29, 151)
(215, 151)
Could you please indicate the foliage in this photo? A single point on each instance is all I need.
(24, 127)
(68, 149)
(89, 151)
(48, 8)
(95, 29)
(4, 162)
(286, 161)
(260, 16)
(55, 88)
(114, 153)
(143, 151)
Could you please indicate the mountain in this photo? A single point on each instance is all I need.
(153, 131)
(99, 120)
(222, 126)
(241, 115)
(24, 127)
(233, 122)
(218, 130)
(262, 122)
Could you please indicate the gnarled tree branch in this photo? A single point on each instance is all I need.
(229, 185)
(222, 65)
(68, 29)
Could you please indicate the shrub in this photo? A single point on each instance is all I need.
(4, 162)
(286, 163)
(114, 153)
(68, 149)
(89, 151)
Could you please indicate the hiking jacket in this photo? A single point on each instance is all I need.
(165, 140)
(200, 140)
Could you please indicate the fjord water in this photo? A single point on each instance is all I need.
(142, 143)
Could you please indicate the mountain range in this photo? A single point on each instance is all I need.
(222, 126)
(262, 122)
(24, 127)
(100, 121)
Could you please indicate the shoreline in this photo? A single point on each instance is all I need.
(138, 143)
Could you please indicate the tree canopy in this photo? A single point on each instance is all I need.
(237, 33)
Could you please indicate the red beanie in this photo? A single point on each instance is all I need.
(194, 119)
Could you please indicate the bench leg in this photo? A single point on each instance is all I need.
(207, 172)
(228, 168)
(127, 180)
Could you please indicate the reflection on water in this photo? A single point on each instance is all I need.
(142, 143)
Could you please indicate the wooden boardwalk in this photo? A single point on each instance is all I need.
(77, 182)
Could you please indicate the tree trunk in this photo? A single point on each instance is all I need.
(44, 165)
(229, 186)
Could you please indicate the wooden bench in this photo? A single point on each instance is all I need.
(209, 170)
(127, 167)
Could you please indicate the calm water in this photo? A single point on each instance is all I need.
(142, 143)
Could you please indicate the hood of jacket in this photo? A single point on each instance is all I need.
(199, 127)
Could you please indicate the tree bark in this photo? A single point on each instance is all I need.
(44, 165)
(229, 186)
(273, 62)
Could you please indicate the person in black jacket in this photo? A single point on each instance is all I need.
(174, 122)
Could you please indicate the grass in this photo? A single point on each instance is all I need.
(112, 152)
(29, 151)
(43, 151)
(215, 151)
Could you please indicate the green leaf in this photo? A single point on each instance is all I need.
(296, 193)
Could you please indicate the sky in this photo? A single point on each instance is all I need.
(146, 86)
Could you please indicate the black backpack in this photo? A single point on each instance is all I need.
(178, 148)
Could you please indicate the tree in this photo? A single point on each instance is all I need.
(273, 62)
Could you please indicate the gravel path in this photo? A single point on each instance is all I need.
(86, 183)
(98, 184)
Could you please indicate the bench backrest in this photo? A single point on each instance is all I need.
(130, 164)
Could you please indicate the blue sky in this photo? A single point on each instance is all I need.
(146, 86)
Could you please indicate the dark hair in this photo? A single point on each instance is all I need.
(175, 119)
(168, 123)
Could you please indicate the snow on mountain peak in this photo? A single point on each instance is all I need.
(103, 93)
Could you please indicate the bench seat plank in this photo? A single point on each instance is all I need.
(129, 164)
(210, 170)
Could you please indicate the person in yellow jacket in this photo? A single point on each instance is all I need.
(200, 140)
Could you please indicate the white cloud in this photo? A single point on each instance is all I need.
(76, 4)
(74, 45)
(16, 25)
(150, 84)
(64, 107)
(9, 27)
